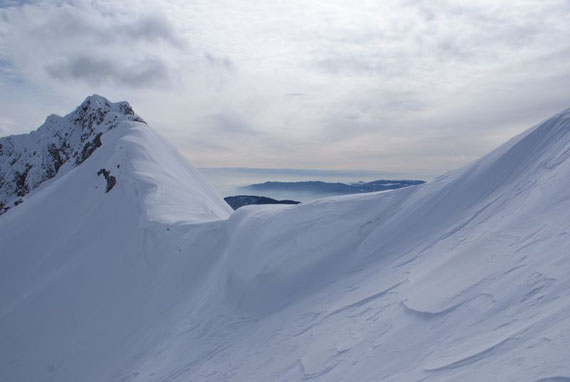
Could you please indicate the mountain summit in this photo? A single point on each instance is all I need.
(60, 144)
(151, 277)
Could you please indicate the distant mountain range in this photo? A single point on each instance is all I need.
(245, 200)
(333, 188)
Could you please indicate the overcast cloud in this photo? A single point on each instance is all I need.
(396, 85)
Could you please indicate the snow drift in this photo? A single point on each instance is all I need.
(462, 278)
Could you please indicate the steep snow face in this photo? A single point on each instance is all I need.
(463, 278)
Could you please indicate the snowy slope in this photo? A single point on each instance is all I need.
(463, 278)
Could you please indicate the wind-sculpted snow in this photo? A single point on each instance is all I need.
(173, 191)
(462, 278)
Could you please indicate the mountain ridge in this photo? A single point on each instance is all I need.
(461, 278)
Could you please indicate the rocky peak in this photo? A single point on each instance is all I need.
(28, 160)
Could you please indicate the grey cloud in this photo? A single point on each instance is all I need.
(73, 23)
(13, 3)
(229, 124)
(150, 28)
(6, 67)
(432, 34)
(194, 143)
(224, 62)
(75, 40)
(96, 70)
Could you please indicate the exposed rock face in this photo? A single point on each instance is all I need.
(60, 144)
(111, 180)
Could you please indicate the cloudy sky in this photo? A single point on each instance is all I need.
(416, 87)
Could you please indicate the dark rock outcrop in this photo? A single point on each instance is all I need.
(244, 200)
(111, 180)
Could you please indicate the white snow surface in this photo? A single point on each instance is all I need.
(466, 277)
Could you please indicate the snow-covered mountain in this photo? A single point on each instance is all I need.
(60, 144)
(64, 143)
(465, 277)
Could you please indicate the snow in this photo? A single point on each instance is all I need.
(462, 278)
(172, 190)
